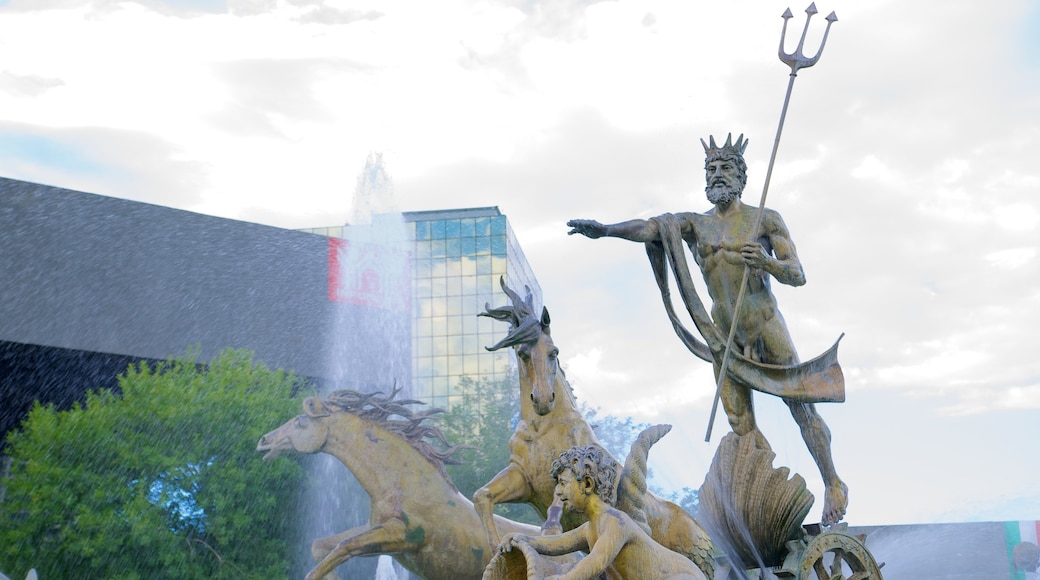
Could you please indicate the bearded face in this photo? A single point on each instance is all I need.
(721, 194)
(724, 179)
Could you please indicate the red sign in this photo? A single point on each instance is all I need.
(369, 275)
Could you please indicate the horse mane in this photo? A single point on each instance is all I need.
(379, 408)
(525, 327)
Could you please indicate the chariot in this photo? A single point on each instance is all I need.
(831, 554)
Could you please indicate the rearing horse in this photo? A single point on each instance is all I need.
(550, 424)
(417, 514)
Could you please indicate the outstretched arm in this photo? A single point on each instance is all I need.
(552, 545)
(632, 230)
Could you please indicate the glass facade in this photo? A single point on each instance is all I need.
(458, 257)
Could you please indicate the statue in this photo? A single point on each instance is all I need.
(765, 358)
(417, 514)
(550, 423)
(585, 482)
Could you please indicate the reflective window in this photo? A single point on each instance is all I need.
(422, 230)
(451, 228)
(483, 264)
(468, 266)
(440, 287)
(454, 325)
(482, 245)
(454, 288)
(482, 227)
(466, 227)
(438, 268)
(457, 264)
(454, 248)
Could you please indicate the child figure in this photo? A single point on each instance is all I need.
(585, 482)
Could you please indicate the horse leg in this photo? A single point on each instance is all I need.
(386, 538)
(322, 546)
(509, 486)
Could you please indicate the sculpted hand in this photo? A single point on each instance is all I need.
(510, 540)
(588, 228)
(755, 255)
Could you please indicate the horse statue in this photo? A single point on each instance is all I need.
(550, 423)
(418, 516)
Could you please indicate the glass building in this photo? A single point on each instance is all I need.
(457, 258)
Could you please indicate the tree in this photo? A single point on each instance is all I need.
(616, 435)
(688, 499)
(159, 480)
(484, 422)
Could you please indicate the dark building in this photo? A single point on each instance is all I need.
(92, 283)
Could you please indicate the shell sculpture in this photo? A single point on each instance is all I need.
(751, 508)
(524, 563)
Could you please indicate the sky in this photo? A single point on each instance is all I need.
(907, 174)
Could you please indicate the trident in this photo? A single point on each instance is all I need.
(796, 60)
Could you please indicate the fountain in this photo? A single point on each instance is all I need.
(753, 512)
(368, 344)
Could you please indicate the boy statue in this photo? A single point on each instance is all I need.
(585, 482)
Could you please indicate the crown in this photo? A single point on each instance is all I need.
(729, 149)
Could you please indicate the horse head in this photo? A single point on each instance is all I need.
(536, 353)
(305, 433)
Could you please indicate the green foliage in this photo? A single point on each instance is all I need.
(688, 499)
(616, 435)
(485, 421)
(160, 480)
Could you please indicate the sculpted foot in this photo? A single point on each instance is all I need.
(835, 501)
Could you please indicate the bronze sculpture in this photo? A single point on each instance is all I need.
(732, 237)
(598, 507)
(719, 240)
(550, 423)
(753, 511)
(417, 514)
(585, 483)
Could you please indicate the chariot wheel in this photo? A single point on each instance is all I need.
(836, 555)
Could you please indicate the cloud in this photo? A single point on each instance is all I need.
(39, 5)
(251, 7)
(128, 164)
(588, 367)
(1012, 258)
(266, 95)
(26, 85)
(176, 8)
(325, 14)
(187, 7)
